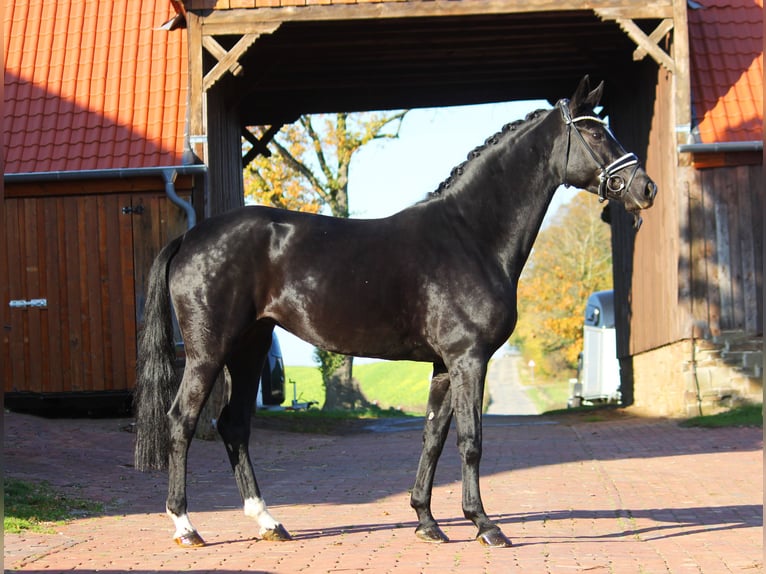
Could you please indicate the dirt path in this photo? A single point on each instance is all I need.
(507, 395)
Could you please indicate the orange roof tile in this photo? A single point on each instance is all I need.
(726, 53)
(92, 85)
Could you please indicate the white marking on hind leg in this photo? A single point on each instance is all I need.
(183, 525)
(256, 508)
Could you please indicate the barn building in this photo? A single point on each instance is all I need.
(124, 123)
(97, 177)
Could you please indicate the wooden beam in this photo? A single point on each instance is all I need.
(248, 20)
(229, 60)
(642, 41)
(655, 37)
(640, 12)
(681, 79)
(197, 131)
(219, 53)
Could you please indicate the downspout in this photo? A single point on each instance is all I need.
(169, 176)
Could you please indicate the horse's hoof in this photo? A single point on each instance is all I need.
(276, 534)
(432, 534)
(189, 540)
(494, 538)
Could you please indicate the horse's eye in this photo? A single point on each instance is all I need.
(597, 135)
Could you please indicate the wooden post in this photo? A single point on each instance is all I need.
(685, 177)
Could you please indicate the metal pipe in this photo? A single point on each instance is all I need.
(119, 173)
(169, 175)
(721, 147)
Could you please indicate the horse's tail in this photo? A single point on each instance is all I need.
(156, 375)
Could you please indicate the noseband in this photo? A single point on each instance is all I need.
(610, 184)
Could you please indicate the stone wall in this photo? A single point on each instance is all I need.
(684, 378)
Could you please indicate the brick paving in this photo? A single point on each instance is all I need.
(623, 495)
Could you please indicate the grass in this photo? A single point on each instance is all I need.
(396, 389)
(750, 415)
(399, 385)
(548, 396)
(37, 507)
(403, 386)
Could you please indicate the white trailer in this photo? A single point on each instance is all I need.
(598, 373)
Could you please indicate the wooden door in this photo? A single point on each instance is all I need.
(87, 258)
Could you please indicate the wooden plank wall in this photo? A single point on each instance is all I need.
(646, 282)
(697, 261)
(727, 239)
(160, 222)
(90, 261)
(657, 315)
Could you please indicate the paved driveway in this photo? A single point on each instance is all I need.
(624, 495)
(507, 396)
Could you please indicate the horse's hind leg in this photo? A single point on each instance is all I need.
(244, 367)
(195, 387)
(438, 417)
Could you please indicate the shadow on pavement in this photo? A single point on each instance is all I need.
(93, 459)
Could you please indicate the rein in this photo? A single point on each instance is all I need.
(610, 184)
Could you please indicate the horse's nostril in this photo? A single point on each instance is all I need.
(651, 190)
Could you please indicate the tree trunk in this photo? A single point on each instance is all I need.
(342, 390)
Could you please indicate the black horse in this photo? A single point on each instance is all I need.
(435, 282)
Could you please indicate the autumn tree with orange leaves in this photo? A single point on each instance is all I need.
(309, 171)
(571, 259)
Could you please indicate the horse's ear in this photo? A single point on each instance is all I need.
(594, 97)
(580, 94)
(584, 97)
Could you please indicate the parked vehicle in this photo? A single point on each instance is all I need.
(271, 391)
(598, 370)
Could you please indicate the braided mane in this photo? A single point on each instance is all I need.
(509, 129)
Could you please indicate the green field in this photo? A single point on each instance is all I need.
(390, 384)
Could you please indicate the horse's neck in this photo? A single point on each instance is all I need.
(505, 207)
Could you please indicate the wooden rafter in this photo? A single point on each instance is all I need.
(219, 53)
(645, 44)
(227, 60)
(655, 37)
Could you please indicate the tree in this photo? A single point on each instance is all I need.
(309, 172)
(571, 258)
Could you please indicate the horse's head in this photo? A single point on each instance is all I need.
(595, 160)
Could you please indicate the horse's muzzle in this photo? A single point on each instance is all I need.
(642, 197)
(650, 191)
(645, 201)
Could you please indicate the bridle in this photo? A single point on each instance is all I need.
(611, 185)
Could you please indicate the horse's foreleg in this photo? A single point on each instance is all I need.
(438, 417)
(183, 416)
(467, 395)
(234, 428)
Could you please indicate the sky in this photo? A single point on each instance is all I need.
(388, 175)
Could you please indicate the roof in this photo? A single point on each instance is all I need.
(92, 85)
(726, 53)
